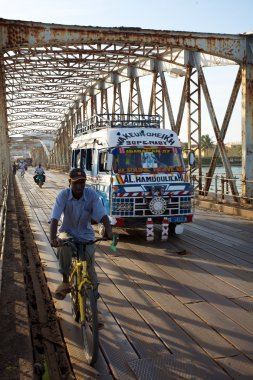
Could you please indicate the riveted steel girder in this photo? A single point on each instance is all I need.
(54, 76)
(247, 123)
(17, 33)
(224, 128)
(45, 62)
(217, 132)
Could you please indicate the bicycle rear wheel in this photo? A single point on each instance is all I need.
(90, 326)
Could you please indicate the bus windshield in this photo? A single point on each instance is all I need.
(147, 160)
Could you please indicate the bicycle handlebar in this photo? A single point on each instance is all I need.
(72, 240)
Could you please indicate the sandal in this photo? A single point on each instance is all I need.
(62, 290)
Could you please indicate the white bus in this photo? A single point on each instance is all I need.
(138, 170)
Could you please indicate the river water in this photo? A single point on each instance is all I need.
(219, 172)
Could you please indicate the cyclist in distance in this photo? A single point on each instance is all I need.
(22, 168)
(39, 170)
(78, 205)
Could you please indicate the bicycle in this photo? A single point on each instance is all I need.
(84, 304)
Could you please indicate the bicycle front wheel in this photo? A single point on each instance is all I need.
(74, 297)
(90, 326)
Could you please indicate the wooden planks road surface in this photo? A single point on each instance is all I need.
(167, 315)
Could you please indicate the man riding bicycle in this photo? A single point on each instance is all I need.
(78, 205)
(22, 168)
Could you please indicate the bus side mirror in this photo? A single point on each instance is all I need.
(108, 166)
(191, 159)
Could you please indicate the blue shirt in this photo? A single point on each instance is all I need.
(77, 213)
(39, 170)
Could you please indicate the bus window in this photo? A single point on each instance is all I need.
(82, 160)
(102, 161)
(75, 158)
(89, 156)
(147, 160)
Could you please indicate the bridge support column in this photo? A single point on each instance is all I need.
(4, 151)
(247, 123)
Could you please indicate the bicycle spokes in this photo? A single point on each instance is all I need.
(74, 298)
(90, 326)
(84, 309)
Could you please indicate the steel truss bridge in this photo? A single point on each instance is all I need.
(55, 76)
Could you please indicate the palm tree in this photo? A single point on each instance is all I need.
(206, 143)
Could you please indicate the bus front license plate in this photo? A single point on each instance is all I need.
(178, 219)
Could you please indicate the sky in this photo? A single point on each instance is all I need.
(210, 16)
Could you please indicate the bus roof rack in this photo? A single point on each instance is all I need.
(113, 120)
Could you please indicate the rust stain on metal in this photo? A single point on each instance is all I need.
(17, 35)
(67, 60)
(29, 33)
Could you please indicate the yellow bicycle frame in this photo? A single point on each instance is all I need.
(80, 268)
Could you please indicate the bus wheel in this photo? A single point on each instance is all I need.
(172, 228)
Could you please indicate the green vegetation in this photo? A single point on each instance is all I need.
(206, 143)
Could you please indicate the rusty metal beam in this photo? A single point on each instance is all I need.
(117, 106)
(224, 128)
(181, 107)
(218, 136)
(48, 71)
(54, 76)
(194, 120)
(135, 104)
(34, 34)
(167, 101)
(4, 151)
(247, 122)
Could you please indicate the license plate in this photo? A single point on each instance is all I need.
(178, 219)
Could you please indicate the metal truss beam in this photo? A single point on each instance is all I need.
(37, 34)
(194, 121)
(53, 76)
(217, 132)
(223, 130)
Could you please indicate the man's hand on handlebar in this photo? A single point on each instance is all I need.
(56, 242)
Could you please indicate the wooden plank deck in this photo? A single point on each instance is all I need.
(168, 316)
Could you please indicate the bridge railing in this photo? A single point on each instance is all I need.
(59, 167)
(220, 189)
(3, 212)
